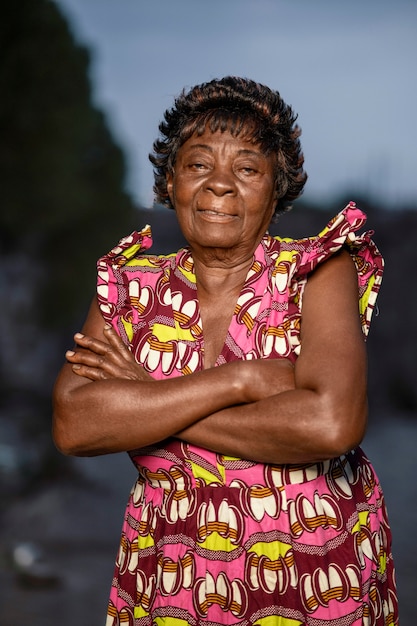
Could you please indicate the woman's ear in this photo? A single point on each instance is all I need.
(170, 186)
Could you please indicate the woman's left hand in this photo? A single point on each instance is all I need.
(99, 360)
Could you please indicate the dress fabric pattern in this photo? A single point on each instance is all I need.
(212, 539)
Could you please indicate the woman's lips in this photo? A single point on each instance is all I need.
(215, 213)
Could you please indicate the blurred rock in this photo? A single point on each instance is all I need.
(31, 568)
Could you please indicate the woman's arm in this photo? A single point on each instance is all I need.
(105, 402)
(325, 415)
(319, 414)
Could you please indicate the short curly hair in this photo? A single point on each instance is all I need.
(244, 108)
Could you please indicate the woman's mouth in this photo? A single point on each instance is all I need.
(215, 213)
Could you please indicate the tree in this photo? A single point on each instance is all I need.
(61, 173)
(63, 204)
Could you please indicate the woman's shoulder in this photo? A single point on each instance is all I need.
(340, 232)
(132, 252)
(128, 276)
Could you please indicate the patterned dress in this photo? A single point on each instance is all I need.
(212, 539)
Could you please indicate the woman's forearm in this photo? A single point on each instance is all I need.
(111, 404)
(296, 426)
(116, 415)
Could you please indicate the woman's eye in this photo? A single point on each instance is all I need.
(197, 166)
(248, 170)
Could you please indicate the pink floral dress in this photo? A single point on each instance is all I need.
(213, 539)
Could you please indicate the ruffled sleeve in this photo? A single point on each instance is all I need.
(341, 232)
(112, 287)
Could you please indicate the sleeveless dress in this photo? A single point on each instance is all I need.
(212, 539)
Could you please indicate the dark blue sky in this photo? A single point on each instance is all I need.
(348, 69)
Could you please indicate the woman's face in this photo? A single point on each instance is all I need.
(223, 191)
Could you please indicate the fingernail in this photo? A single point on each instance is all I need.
(69, 353)
(107, 326)
(78, 336)
(76, 366)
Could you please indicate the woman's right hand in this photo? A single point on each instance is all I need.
(100, 360)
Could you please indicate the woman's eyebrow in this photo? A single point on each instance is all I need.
(242, 152)
(200, 146)
(249, 152)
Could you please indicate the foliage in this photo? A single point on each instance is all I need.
(61, 173)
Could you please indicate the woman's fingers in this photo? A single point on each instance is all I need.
(93, 373)
(91, 343)
(83, 357)
(91, 365)
(114, 351)
(99, 360)
(116, 342)
(113, 346)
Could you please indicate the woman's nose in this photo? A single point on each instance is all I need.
(221, 182)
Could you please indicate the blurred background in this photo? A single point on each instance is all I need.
(84, 84)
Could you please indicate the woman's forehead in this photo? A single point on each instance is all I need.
(227, 129)
(210, 141)
(234, 122)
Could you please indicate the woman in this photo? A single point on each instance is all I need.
(234, 373)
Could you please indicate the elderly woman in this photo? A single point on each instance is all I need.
(234, 373)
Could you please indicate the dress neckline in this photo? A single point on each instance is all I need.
(247, 303)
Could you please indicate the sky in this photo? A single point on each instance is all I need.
(348, 68)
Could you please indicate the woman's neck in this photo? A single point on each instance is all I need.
(225, 274)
